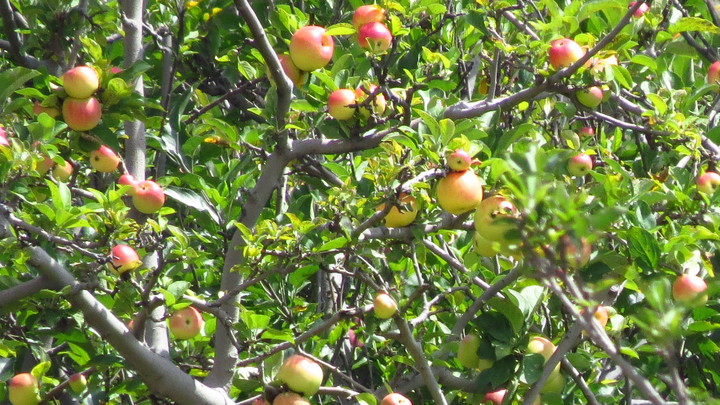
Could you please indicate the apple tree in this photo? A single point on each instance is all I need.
(289, 202)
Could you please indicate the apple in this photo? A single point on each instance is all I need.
(459, 192)
(690, 290)
(396, 218)
(640, 11)
(261, 401)
(460, 160)
(467, 351)
(541, 345)
(375, 37)
(44, 165)
(128, 179)
(124, 258)
(310, 48)
(341, 104)
(395, 399)
(354, 339)
(564, 52)
(78, 382)
(3, 137)
(81, 114)
(713, 76)
(290, 398)
(577, 253)
(554, 383)
(367, 14)
(496, 397)
(384, 306)
(297, 76)
(104, 159)
(708, 182)
(80, 81)
(115, 70)
(39, 109)
(148, 197)
(483, 247)
(601, 315)
(23, 390)
(494, 218)
(63, 171)
(580, 165)
(590, 97)
(378, 103)
(599, 65)
(301, 374)
(586, 131)
(186, 323)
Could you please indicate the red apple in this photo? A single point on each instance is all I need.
(301, 374)
(290, 398)
(128, 179)
(115, 70)
(310, 48)
(3, 137)
(23, 390)
(396, 218)
(81, 114)
(367, 14)
(496, 397)
(80, 82)
(62, 172)
(295, 75)
(104, 159)
(395, 399)
(494, 218)
(590, 97)
(148, 197)
(564, 52)
(186, 323)
(580, 165)
(354, 339)
(39, 109)
(460, 160)
(713, 75)
(78, 382)
(586, 132)
(384, 306)
(339, 103)
(640, 11)
(124, 258)
(708, 182)
(378, 104)
(459, 192)
(375, 37)
(690, 289)
(44, 165)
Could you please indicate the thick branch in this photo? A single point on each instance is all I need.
(22, 290)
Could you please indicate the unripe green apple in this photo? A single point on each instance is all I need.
(384, 306)
(378, 104)
(104, 159)
(564, 52)
(81, 114)
(310, 48)
(467, 351)
(459, 192)
(301, 374)
(483, 247)
(494, 217)
(339, 104)
(580, 165)
(396, 218)
(62, 172)
(395, 399)
(290, 398)
(554, 383)
(708, 182)
(367, 14)
(590, 97)
(123, 258)
(375, 37)
(23, 390)
(186, 323)
(78, 382)
(690, 290)
(148, 197)
(80, 82)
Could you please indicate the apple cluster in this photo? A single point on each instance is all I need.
(373, 34)
(81, 111)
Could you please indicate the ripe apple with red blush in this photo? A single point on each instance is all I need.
(39, 109)
(713, 75)
(148, 197)
(396, 218)
(81, 114)
(23, 389)
(124, 258)
(460, 160)
(690, 289)
(580, 165)
(310, 48)
(80, 82)
(384, 306)
(640, 10)
(341, 103)
(378, 103)
(586, 132)
(290, 398)
(375, 37)
(459, 192)
(104, 159)
(496, 397)
(63, 171)
(301, 374)
(78, 382)
(186, 323)
(564, 52)
(395, 399)
(708, 182)
(367, 14)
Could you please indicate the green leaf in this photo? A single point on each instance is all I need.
(193, 200)
(643, 248)
(13, 79)
(336, 243)
(340, 29)
(696, 24)
(532, 368)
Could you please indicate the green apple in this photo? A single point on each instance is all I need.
(378, 104)
(366, 14)
(554, 383)
(396, 218)
(341, 104)
(63, 171)
(78, 382)
(564, 52)
(81, 82)
(690, 290)
(375, 37)
(301, 374)
(384, 306)
(459, 192)
(494, 217)
(148, 197)
(104, 159)
(467, 351)
(395, 399)
(483, 247)
(23, 390)
(124, 258)
(310, 48)
(81, 114)
(186, 323)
